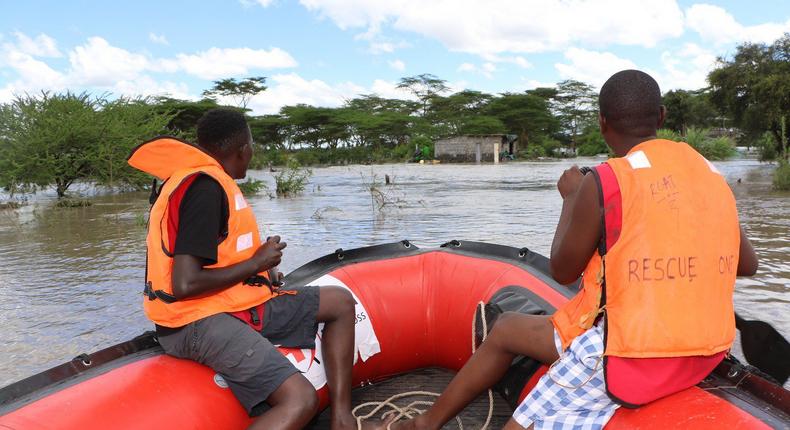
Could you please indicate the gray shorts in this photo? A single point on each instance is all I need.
(248, 361)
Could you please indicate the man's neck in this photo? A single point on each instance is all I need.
(627, 143)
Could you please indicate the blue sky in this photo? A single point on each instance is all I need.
(323, 52)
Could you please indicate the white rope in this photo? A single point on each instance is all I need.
(410, 411)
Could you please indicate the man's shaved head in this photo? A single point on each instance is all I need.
(630, 101)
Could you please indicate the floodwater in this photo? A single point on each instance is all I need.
(70, 278)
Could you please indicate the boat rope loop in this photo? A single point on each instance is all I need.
(411, 410)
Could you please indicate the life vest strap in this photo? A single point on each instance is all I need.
(158, 294)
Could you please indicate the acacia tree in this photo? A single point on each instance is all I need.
(576, 106)
(754, 88)
(425, 87)
(526, 114)
(57, 139)
(240, 91)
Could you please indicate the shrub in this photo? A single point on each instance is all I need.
(550, 146)
(73, 203)
(532, 152)
(782, 176)
(252, 186)
(307, 157)
(766, 147)
(292, 179)
(720, 148)
(665, 133)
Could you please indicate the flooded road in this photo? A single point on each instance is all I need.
(70, 278)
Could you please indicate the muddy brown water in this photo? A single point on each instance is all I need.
(70, 278)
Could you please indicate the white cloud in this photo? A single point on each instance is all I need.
(40, 46)
(98, 63)
(716, 25)
(683, 68)
(517, 60)
(250, 3)
(486, 69)
(159, 39)
(498, 26)
(397, 65)
(467, 67)
(219, 63)
(686, 68)
(592, 67)
(291, 89)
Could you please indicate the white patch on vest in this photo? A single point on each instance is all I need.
(366, 344)
(240, 202)
(638, 160)
(712, 167)
(244, 242)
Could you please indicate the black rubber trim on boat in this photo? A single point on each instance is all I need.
(79, 369)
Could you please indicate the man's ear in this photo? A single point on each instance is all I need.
(602, 123)
(662, 115)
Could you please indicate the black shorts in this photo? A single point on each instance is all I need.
(249, 361)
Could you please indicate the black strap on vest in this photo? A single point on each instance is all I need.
(158, 294)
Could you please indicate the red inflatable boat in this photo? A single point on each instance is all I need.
(415, 310)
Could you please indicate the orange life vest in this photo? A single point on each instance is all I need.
(665, 287)
(173, 161)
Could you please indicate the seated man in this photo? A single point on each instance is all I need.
(207, 288)
(648, 231)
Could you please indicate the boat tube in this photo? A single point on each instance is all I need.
(415, 309)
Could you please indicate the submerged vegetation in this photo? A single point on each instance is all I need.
(292, 179)
(252, 186)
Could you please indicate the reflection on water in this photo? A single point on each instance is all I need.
(70, 279)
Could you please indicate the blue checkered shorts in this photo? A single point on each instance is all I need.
(562, 400)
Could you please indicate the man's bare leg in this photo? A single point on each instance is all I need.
(293, 405)
(513, 334)
(336, 311)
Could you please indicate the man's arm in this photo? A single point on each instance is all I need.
(747, 259)
(190, 279)
(579, 228)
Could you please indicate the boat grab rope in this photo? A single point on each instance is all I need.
(410, 411)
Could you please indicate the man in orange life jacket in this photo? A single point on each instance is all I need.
(207, 287)
(655, 234)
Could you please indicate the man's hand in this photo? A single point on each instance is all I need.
(569, 181)
(269, 254)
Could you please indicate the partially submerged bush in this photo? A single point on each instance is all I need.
(782, 176)
(252, 186)
(766, 147)
(292, 179)
(73, 203)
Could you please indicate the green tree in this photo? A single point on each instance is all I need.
(689, 109)
(186, 114)
(576, 104)
(463, 113)
(525, 114)
(240, 91)
(62, 138)
(753, 87)
(425, 87)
